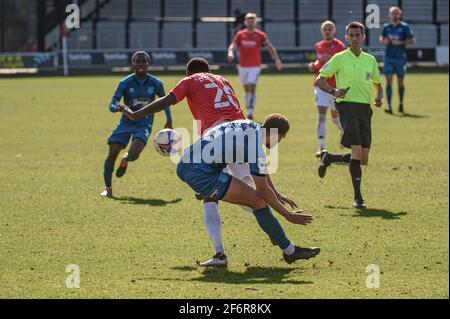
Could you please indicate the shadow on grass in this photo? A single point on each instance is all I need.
(410, 115)
(371, 212)
(336, 207)
(252, 275)
(148, 201)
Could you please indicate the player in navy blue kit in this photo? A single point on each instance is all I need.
(137, 90)
(396, 35)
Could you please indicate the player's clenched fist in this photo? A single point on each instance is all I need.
(378, 101)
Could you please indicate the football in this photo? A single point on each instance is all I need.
(167, 142)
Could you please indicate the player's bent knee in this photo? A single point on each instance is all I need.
(258, 202)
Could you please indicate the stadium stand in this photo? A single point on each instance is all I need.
(146, 9)
(279, 9)
(281, 34)
(419, 10)
(442, 11)
(176, 35)
(347, 10)
(289, 23)
(110, 35)
(208, 8)
(444, 35)
(308, 35)
(179, 8)
(313, 10)
(144, 35)
(426, 35)
(247, 6)
(115, 10)
(81, 39)
(211, 35)
(374, 34)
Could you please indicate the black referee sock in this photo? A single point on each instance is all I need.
(356, 172)
(338, 158)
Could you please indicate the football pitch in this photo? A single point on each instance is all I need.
(146, 241)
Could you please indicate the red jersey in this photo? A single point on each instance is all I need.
(210, 97)
(249, 43)
(324, 52)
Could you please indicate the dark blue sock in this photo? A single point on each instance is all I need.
(401, 93)
(107, 173)
(389, 94)
(271, 226)
(129, 157)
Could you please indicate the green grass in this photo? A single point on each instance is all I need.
(145, 243)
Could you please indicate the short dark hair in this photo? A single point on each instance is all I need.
(138, 53)
(277, 121)
(197, 65)
(354, 25)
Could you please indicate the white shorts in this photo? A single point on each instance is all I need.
(323, 98)
(241, 172)
(249, 75)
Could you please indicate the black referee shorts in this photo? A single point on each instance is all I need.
(356, 121)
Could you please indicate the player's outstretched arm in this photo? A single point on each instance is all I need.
(264, 190)
(282, 198)
(274, 54)
(152, 108)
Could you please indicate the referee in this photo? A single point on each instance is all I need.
(355, 72)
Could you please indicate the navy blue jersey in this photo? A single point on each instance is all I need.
(401, 32)
(136, 94)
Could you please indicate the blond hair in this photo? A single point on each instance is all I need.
(393, 8)
(327, 22)
(250, 15)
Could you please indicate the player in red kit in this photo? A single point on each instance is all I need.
(249, 41)
(325, 49)
(212, 101)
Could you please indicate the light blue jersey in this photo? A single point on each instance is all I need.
(202, 164)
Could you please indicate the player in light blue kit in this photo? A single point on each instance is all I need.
(241, 141)
(137, 90)
(396, 35)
